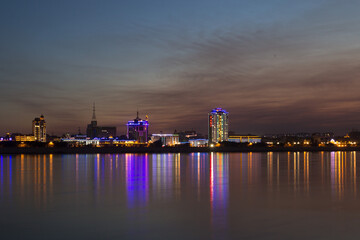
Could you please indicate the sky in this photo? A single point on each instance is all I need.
(277, 66)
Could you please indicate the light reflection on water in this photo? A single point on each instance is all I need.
(207, 195)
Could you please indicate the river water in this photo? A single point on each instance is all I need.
(180, 196)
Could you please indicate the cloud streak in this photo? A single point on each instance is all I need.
(299, 75)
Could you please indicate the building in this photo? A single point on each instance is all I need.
(218, 125)
(198, 142)
(95, 131)
(244, 139)
(78, 142)
(24, 138)
(39, 129)
(92, 128)
(8, 137)
(184, 136)
(106, 132)
(166, 139)
(138, 129)
(322, 139)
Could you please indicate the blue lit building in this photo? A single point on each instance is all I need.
(218, 125)
(138, 129)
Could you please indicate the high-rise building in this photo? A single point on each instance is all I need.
(39, 129)
(92, 128)
(218, 125)
(138, 129)
(95, 131)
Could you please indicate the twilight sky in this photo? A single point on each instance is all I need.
(276, 65)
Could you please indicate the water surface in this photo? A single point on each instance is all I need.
(180, 196)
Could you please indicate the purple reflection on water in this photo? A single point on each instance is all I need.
(2, 172)
(137, 180)
(10, 175)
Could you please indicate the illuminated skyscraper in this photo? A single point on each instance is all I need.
(138, 129)
(39, 129)
(218, 125)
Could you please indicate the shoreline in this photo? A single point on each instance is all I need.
(120, 150)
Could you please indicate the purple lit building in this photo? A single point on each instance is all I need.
(138, 129)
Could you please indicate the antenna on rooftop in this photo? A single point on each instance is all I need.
(94, 116)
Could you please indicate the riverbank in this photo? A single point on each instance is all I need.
(112, 150)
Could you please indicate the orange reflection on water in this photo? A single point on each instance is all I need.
(353, 172)
(288, 164)
(35, 169)
(249, 164)
(177, 175)
(338, 174)
(270, 168)
(306, 172)
(22, 169)
(97, 170)
(296, 172)
(50, 173)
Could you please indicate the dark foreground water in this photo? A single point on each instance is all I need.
(181, 196)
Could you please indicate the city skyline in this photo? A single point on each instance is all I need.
(93, 130)
(276, 66)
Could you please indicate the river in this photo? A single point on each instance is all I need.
(271, 195)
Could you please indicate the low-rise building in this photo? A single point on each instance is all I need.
(75, 142)
(244, 139)
(166, 139)
(198, 142)
(25, 138)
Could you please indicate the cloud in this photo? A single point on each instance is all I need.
(300, 75)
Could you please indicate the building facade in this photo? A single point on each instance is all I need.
(138, 129)
(244, 139)
(107, 132)
(184, 136)
(39, 129)
(198, 142)
(24, 138)
(218, 125)
(166, 139)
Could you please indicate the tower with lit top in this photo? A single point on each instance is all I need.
(218, 125)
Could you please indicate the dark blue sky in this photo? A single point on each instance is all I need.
(276, 66)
